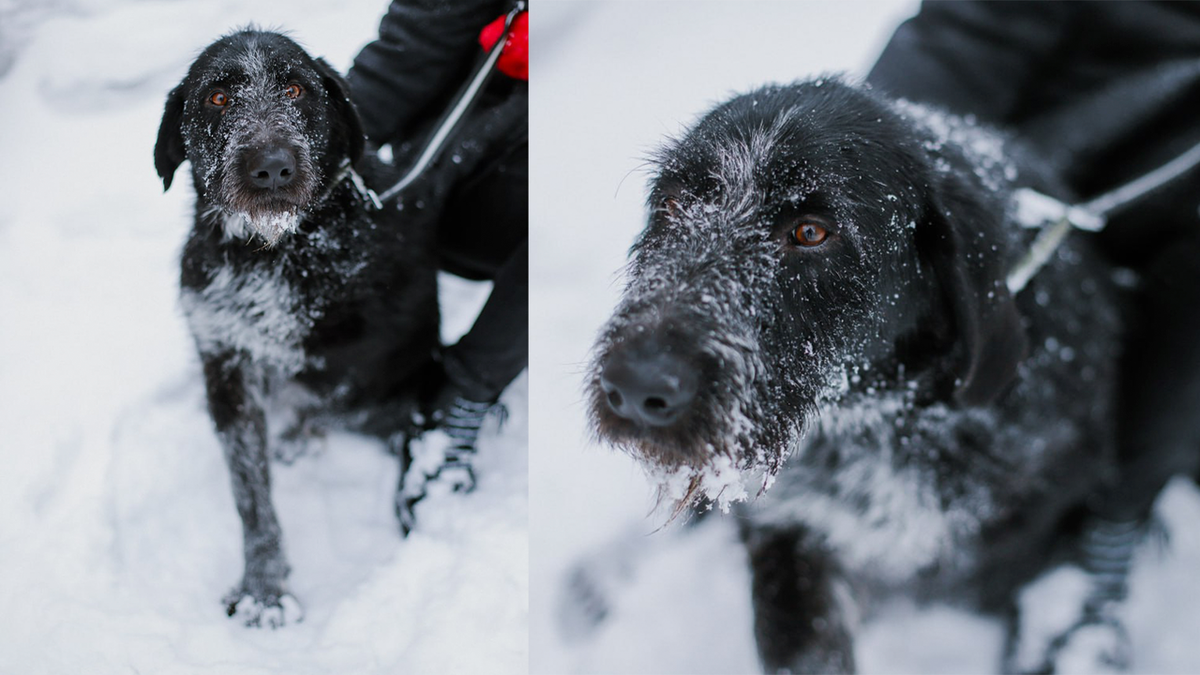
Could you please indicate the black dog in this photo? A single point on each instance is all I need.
(819, 299)
(304, 296)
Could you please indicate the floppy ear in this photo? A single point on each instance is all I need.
(348, 123)
(963, 240)
(169, 151)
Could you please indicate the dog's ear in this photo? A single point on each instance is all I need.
(169, 152)
(348, 123)
(963, 240)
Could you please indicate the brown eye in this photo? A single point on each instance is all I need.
(670, 206)
(294, 90)
(219, 99)
(809, 234)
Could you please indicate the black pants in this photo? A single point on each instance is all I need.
(484, 234)
(1159, 417)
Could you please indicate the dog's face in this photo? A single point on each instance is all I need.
(799, 247)
(253, 115)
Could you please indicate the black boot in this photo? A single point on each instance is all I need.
(1107, 547)
(461, 425)
(443, 457)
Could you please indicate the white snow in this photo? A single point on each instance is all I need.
(118, 534)
(612, 80)
(720, 481)
(983, 148)
(271, 227)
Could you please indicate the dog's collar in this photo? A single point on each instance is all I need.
(346, 172)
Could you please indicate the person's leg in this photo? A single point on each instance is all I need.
(496, 348)
(1158, 438)
(482, 364)
(483, 235)
(1158, 428)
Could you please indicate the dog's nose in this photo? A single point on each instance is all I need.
(647, 384)
(271, 168)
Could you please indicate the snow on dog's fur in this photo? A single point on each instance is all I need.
(307, 302)
(818, 303)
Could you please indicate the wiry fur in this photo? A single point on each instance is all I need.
(305, 301)
(919, 429)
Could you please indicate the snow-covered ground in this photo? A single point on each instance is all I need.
(610, 80)
(118, 534)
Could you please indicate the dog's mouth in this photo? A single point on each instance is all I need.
(294, 196)
(649, 392)
(269, 215)
(654, 441)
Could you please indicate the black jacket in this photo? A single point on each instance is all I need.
(424, 53)
(1105, 90)
(401, 85)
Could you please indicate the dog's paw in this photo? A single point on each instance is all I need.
(595, 583)
(268, 610)
(411, 490)
(451, 478)
(584, 605)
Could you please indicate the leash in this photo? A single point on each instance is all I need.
(346, 170)
(454, 114)
(450, 119)
(1035, 210)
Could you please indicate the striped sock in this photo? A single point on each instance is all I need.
(1108, 547)
(462, 424)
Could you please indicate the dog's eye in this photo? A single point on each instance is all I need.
(294, 90)
(219, 99)
(810, 234)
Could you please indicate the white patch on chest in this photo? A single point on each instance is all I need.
(898, 532)
(876, 517)
(255, 313)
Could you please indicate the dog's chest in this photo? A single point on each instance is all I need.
(265, 303)
(881, 501)
(255, 311)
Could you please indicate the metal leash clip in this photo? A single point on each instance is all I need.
(1035, 210)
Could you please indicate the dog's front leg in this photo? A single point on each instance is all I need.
(233, 401)
(799, 618)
